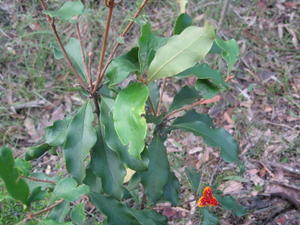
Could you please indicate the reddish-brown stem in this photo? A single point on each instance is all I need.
(66, 56)
(127, 28)
(104, 41)
(39, 180)
(188, 107)
(31, 216)
(160, 97)
(83, 56)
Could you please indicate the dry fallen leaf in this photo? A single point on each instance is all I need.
(231, 187)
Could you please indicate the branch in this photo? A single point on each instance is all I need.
(188, 107)
(66, 56)
(31, 216)
(39, 180)
(127, 28)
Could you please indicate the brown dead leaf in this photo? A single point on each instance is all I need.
(30, 127)
(231, 187)
(254, 177)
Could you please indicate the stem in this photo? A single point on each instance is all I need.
(90, 55)
(188, 107)
(151, 106)
(104, 41)
(83, 56)
(39, 180)
(127, 28)
(31, 216)
(160, 97)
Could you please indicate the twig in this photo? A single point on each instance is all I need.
(188, 107)
(39, 180)
(151, 106)
(294, 170)
(31, 216)
(160, 97)
(66, 56)
(127, 28)
(83, 56)
(90, 55)
(223, 13)
(104, 40)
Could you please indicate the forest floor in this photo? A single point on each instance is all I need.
(261, 108)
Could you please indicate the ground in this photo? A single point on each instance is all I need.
(261, 108)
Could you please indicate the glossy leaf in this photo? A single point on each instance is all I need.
(156, 177)
(204, 71)
(122, 66)
(78, 215)
(148, 44)
(207, 89)
(67, 11)
(230, 51)
(149, 217)
(193, 177)
(116, 212)
(15, 186)
(69, 190)
(185, 96)
(154, 94)
(59, 213)
(56, 134)
(215, 137)
(130, 126)
(183, 21)
(209, 218)
(229, 203)
(181, 52)
(192, 116)
(107, 165)
(215, 49)
(35, 152)
(81, 137)
(112, 140)
(171, 189)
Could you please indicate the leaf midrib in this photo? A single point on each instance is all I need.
(168, 61)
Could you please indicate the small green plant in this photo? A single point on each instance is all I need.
(104, 143)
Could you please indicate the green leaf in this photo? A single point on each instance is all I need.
(215, 137)
(77, 214)
(59, 213)
(53, 222)
(156, 177)
(204, 71)
(56, 134)
(171, 189)
(207, 89)
(23, 166)
(116, 212)
(75, 54)
(183, 21)
(154, 94)
(149, 217)
(193, 177)
(215, 49)
(67, 11)
(192, 116)
(229, 203)
(37, 194)
(185, 96)
(81, 137)
(148, 44)
(181, 52)
(130, 126)
(106, 164)
(92, 181)
(122, 66)
(112, 140)
(35, 152)
(15, 186)
(69, 190)
(43, 185)
(230, 51)
(209, 218)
